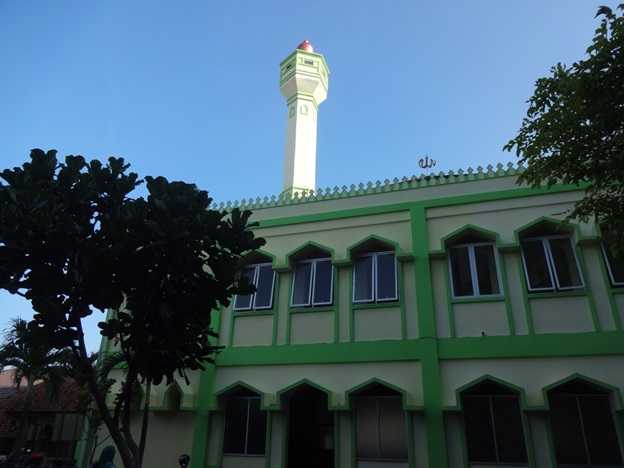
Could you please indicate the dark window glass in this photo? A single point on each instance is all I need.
(460, 271)
(392, 430)
(616, 266)
(479, 430)
(536, 265)
(566, 430)
(386, 277)
(380, 428)
(487, 276)
(244, 301)
(256, 434)
(509, 431)
(323, 282)
(235, 425)
(363, 279)
(367, 428)
(301, 289)
(565, 263)
(264, 287)
(245, 427)
(599, 429)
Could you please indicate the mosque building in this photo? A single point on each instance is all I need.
(446, 320)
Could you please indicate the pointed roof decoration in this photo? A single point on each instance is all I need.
(306, 46)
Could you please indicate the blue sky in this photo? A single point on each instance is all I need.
(189, 90)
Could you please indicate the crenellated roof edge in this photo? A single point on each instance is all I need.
(370, 188)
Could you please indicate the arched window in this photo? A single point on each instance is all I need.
(245, 423)
(313, 277)
(473, 263)
(549, 258)
(582, 425)
(380, 422)
(493, 424)
(259, 271)
(374, 272)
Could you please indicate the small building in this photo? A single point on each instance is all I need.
(55, 424)
(442, 320)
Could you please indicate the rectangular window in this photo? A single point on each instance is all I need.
(375, 277)
(245, 427)
(615, 265)
(550, 264)
(493, 426)
(313, 282)
(380, 428)
(262, 277)
(474, 270)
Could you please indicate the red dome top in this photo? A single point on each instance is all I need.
(306, 46)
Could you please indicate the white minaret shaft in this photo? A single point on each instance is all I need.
(304, 83)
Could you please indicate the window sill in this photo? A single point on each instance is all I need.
(550, 294)
(617, 289)
(477, 299)
(374, 305)
(245, 455)
(385, 460)
(304, 310)
(253, 312)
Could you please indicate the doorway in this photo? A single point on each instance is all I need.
(310, 429)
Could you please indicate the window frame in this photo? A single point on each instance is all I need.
(614, 283)
(490, 397)
(247, 420)
(312, 284)
(252, 302)
(550, 263)
(380, 458)
(374, 298)
(473, 270)
(577, 399)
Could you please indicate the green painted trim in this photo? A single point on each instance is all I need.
(581, 292)
(353, 434)
(337, 439)
(288, 315)
(506, 293)
(312, 309)
(204, 402)
(407, 406)
(617, 290)
(350, 310)
(377, 305)
(464, 441)
(477, 299)
(252, 312)
(286, 436)
(550, 443)
(533, 346)
(401, 293)
(571, 228)
(595, 382)
(268, 439)
(411, 440)
(336, 300)
(220, 445)
(431, 378)
(615, 313)
(528, 439)
(528, 311)
(330, 252)
(449, 300)
(486, 233)
(301, 383)
(392, 245)
(591, 302)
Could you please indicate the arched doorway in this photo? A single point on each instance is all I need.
(310, 428)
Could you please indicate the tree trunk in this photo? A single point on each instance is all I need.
(25, 417)
(146, 407)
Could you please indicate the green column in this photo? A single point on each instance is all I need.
(205, 402)
(432, 384)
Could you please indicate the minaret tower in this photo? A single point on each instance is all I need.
(304, 80)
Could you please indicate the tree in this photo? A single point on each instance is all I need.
(73, 241)
(32, 362)
(574, 128)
